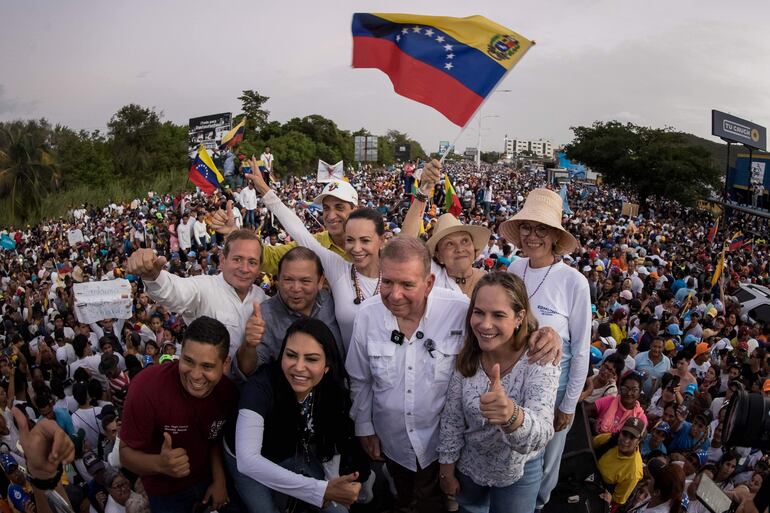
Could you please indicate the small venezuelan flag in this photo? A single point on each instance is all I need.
(234, 136)
(450, 64)
(203, 173)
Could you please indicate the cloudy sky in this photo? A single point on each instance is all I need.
(656, 63)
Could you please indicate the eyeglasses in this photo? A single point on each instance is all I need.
(626, 389)
(541, 230)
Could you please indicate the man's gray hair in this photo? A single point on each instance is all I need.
(403, 249)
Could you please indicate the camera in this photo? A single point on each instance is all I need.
(747, 421)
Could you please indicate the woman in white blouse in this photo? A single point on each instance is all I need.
(351, 281)
(500, 406)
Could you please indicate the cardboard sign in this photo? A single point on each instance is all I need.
(98, 300)
(630, 209)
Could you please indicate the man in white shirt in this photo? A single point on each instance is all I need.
(228, 297)
(248, 200)
(184, 232)
(400, 359)
(267, 159)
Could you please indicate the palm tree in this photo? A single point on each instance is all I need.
(27, 168)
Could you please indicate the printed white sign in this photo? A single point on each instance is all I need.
(98, 300)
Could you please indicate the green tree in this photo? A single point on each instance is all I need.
(490, 157)
(395, 138)
(28, 170)
(84, 158)
(134, 132)
(332, 144)
(650, 162)
(251, 105)
(295, 153)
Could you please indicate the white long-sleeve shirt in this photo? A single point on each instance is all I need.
(337, 270)
(249, 198)
(200, 233)
(249, 435)
(184, 234)
(206, 295)
(399, 391)
(562, 300)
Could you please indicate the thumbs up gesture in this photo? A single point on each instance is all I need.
(255, 327)
(173, 462)
(223, 221)
(145, 263)
(343, 490)
(495, 405)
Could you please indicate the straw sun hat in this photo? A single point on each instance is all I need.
(448, 224)
(545, 207)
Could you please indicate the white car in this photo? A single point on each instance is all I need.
(755, 301)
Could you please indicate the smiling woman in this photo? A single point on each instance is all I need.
(293, 423)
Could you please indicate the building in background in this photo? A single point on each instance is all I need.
(540, 148)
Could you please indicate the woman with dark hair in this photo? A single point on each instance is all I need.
(499, 407)
(352, 280)
(667, 490)
(611, 412)
(726, 470)
(294, 427)
(85, 417)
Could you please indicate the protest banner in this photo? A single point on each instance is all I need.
(630, 209)
(329, 172)
(98, 300)
(75, 236)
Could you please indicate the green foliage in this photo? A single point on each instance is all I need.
(28, 170)
(651, 162)
(251, 105)
(84, 158)
(490, 157)
(297, 153)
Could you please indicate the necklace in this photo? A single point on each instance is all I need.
(461, 280)
(503, 371)
(541, 281)
(357, 286)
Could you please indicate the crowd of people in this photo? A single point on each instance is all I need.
(303, 346)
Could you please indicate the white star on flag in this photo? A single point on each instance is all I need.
(450, 56)
(398, 38)
(404, 30)
(448, 65)
(440, 39)
(448, 48)
(416, 29)
(429, 32)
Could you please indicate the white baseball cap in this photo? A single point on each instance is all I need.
(340, 190)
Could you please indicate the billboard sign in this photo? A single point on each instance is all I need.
(208, 131)
(443, 147)
(403, 152)
(738, 130)
(365, 148)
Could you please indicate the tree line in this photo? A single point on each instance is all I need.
(40, 162)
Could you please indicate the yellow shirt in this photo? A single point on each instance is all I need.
(622, 471)
(271, 255)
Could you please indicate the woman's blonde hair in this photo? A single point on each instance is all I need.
(468, 359)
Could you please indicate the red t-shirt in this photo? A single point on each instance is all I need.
(157, 402)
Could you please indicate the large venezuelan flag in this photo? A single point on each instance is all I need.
(234, 136)
(451, 64)
(203, 173)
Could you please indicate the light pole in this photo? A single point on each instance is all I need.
(478, 140)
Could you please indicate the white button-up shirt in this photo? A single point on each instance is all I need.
(206, 295)
(399, 390)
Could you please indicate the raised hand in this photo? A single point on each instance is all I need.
(145, 263)
(495, 405)
(223, 221)
(343, 490)
(255, 327)
(173, 462)
(430, 176)
(46, 446)
(256, 177)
